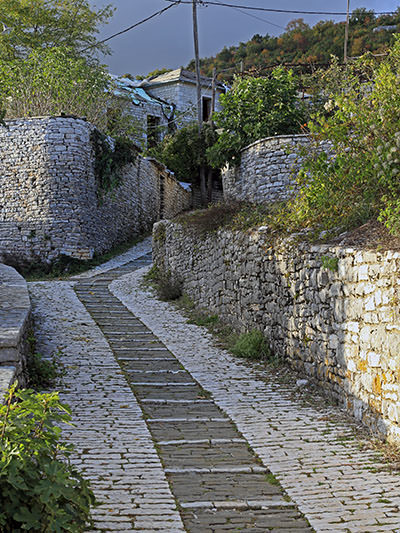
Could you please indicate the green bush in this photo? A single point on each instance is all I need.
(251, 345)
(54, 81)
(40, 490)
(255, 108)
(184, 151)
(360, 180)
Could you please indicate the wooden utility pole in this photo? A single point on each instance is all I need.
(346, 32)
(203, 191)
(197, 63)
(213, 91)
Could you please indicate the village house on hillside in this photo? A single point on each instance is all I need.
(166, 102)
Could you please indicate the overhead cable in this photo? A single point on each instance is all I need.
(173, 4)
(272, 10)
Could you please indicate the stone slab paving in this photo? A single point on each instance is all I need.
(311, 450)
(192, 445)
(115, 448)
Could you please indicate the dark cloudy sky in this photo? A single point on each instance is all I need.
(167, 40)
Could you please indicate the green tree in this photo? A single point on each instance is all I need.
(52, 82)
(184, 151)
(40, 489)
(38, 24)
(253, 109)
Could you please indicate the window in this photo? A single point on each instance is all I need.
(153, 131)
(206, 107)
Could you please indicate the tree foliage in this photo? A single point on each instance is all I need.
(184, 152)
(360, 179)
(256, 108)
(34, 25)
(301, 43)
(54, 81)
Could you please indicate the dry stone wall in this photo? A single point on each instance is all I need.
(15, 322)
(333, 312)
(265, 171)
(50, 203)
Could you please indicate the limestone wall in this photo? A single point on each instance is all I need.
(332, 312)
(15, 313)
(50, 202)
(265, 170)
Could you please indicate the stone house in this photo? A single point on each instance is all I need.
(179, 88)
(166, 102)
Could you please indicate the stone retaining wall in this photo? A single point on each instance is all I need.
(265, 170)
(50, 203)
(15, 314)
(333, 312)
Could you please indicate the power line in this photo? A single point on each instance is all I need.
(173, 4)
(255, 17)
(271, 10)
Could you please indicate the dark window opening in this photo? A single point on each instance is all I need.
(153, 131)
(206, 106)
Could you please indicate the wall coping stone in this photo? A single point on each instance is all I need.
(276, 137)
(7, 378)
(41, 117)
(15, 309)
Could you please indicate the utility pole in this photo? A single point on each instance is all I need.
(213, 91)
(197, 63)
(203, 192)
(346, 32)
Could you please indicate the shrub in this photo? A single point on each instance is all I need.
(40, 490)
(53, 82)
(168, 287)
(251, 345)
(255, 108)
(184, 151)
(361, 180)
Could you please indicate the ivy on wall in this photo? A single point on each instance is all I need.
(109, 161)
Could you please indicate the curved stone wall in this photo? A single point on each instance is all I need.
(49, 198)
(265, 170)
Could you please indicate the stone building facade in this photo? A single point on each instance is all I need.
(331, 311)
(50, 201)
(178, 87)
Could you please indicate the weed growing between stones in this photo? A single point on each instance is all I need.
(40, 373)
(40, 489)
(330, 263)
(252, 345)
(167, 287)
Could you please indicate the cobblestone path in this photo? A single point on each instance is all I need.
(219, 483)
(131, 396)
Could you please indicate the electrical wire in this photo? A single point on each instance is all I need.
(173, 4)
(255, 17)
(272, 10)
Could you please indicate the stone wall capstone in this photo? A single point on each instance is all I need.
(331, 311)
(15, 322)
(49, 197)
(265, 170)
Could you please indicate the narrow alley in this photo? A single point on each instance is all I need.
(177, 435)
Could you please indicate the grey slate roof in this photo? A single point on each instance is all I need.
(177, 75)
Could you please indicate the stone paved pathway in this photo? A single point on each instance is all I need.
(200, 408)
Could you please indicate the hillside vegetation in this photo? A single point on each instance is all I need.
(301, 43)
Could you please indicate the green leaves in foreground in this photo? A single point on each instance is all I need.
(40, 490)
